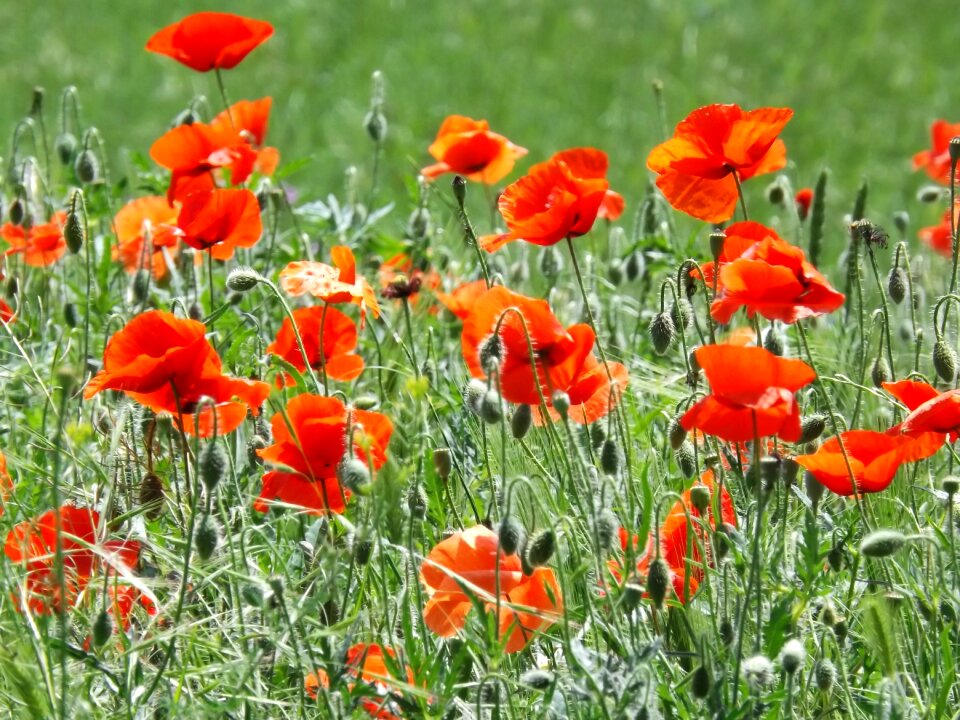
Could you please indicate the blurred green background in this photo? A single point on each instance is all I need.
(865, 78)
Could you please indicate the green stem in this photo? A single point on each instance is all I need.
(223, 96)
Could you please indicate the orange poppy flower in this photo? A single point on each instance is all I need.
(739, 237)
(468, 147)
(149, 216)
(365, 662)
(167, 365)
(674, 540)
(939, 414)
(751, 394)
(6, 313)
(696, 166)
(563, 357)
(936, 160)
(461, 301)
(773, 278)
(336, 333)
(338, 283)
(588, 163)
(6, 483)
(249, 120)
(221, 221)
(466, 565)
(550, 203)
(940, 237)
(874, 459)
(40, 245)
(310, 443)
(803, 200)
(206, 41)
(33, 543)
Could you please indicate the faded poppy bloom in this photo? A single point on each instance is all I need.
(220, 221)
(6, 313)
(936, 160)
(399, 279)
(751, 394)
(338, 283)
(465, 566)
(874, 459)
(803, 200)
(33, 543)
(328, 329)
(147, 217)
(940, 237)
(365, 662)
(551, 202)
(682, 553)
(588, 163)
(40, 245)
(461, 301)
(696, 166)
(207, 41)
(468, 147)
(563, 357)
(167, 365)
(310, 443)
(770, 277)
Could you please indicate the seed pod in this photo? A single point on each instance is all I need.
(73, 232)
(634, 266)
(658, 580)
(540, 549)
(151, 495)
(882, 543)
(701, 682)
(66, 147)
(102, 629)
(944, 361)
(812, 427)
(206, 538)
(71, 315)
(700, 497)
(662, 332)
(213, 464)
(880, 372)
(491, 407)
(773, 342)
(538, 679)
(685, 459)
(354, 474)
(825, 674)
(610, 457)
(512, 535)
(608, 527)
(87, 167)
(443, 463)
(897, 283)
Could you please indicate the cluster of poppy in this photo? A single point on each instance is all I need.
(40, 245)
(365, 662)
(937, 162)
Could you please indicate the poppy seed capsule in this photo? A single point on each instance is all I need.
(491, 407)
(658, 580)
(353, 474)
(540, 549)
(954, 148)
(87, 167)
(243, 279)
(512, 535)
(66, 147)
(213, 464)
(717, 239)
(443, 463)
(676, 433)
(608, 527)
(812, 427)
(882, 543)
(206, 538)
(880, 372)
(685, 459)
(610, 457)
(662, 332)
(102, 629)
(825, 675)
(701, 682)
(944, 361)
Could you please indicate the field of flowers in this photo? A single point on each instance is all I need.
(503, 440)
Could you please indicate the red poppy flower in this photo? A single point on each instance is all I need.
(696, 166)
(940, 237)
(590, 164)
(465, 566)
(773, 278)
(151, 217)
(468, 147)
(6, 313)
(221, 221)
(803, 200)
(550, 203)
(249, 120)
(936, 160)
(33, 543)
(563, 357)
(338, 283)
(461, 301)
(206, 41)
(40, 245)
(738, 238)
(338, 338)
(751, 394)
(940, 414)
(167, 365)
(310, 443)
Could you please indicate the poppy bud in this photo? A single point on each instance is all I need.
(792, 656)
(825, 674)
(443, 463)
(929, 194)
(354, 474)
(362, 549)
(901, 220)
(195, 312)
(206, 538)
(12, 287)
(459, 185)
(538, 679)
(418, 224)
(561, 402)
(243, 279)
(608, 527)
(700, 497)
(951, 485)
(87, 167)
(140, 286)
(375, 123)
(662, 332)
(540, 549)
(71, 315)
(773, 342)
(954, 148)
(366, 402)
(256, 442)
(811, 427)
(17, 211)
(610, 457)
(151, 495)
(491, 353)
(658, 580)
(681, 312)
(521, 421)
(717, 239)
(416, 502)
(676, 433)
(814, 488)
(473, 393)
(512, 535)
(882, 543)
(634, 266)
(897, 284)
(102, 629)
(491, 407)
(880, 372)
(944, 361)
(551, 263)
(726, 632)
(685, 459)
(213, 464)
(73, 231)
(65, 147)
(615, 272)
(701, 682)
(835, 557)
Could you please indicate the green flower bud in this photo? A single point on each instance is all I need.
(662, 332)
(685, 459)
(71, 315)
(825, 675)
(213, 464)
(635, 265)
(944, 361)
(491, 407)
(701, 682)
(243, 279)
(610, 457)
(443, 463)
(812, 427)
(700, 497)
(206, 538)
(73, 232)
(880, 372)
(540, 549)
(882, 543)
(512, 535)
(521, 421)
(897, 283)
(658, 580)
(87, 167)
(538, 679)
(66, 147)
(102, 629)
(560, 402)
(354, 475)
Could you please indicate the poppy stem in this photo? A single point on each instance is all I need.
(589, 310)
(223, 96)
(884, 307)
(468, 230)
(61, 601)
(955, 239)
(743, 202)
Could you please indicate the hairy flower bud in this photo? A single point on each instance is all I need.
(491, 407)
(882, 543)
(512, 535)
(812, 427)
(66, 147)
(610, 457)
(213, 464)
(540, 549)
(443, 463)
(243, 279)
(102, 629)
(685, 459)
(634, 265)
(825, 675)
(87, 167)
(521, 421)
(944, 361)
(608, 527)
(206, 538)
(658, 580)
(662, 332)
